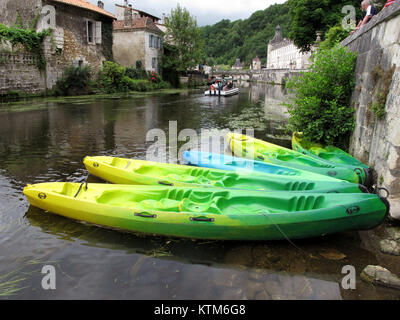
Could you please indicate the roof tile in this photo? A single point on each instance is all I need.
(86, 5)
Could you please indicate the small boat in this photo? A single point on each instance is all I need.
(255, 149)
(329, 153)
(130, 171)
(215, 213)
(222, 93)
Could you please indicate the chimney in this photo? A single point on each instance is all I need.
(127, 16)
(125, 3)
(100, 4)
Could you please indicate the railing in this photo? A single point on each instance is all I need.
(17, 58)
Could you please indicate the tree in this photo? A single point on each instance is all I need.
(228, 40)
(321, 104)
(183, 41)
(310, 16)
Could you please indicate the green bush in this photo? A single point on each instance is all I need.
(74, 81)
(320, 107)
(115, 78)
(136, 73)
(111, 77)
(139, 85)
(334, 36)
(161, 85)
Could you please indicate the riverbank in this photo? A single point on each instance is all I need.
(21, 102)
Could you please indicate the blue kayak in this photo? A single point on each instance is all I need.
(232, 163)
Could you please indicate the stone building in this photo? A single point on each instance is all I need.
(256, 64)
(283, 54)
(81, 34)
(137, 37)
(238, 65)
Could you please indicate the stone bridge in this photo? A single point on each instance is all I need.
(278, 76)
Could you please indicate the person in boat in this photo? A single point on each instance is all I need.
(228, 86)
(369, 12)
(211, 83)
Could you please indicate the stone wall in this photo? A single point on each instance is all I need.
(19, 72)
(71, 21)
(129, 47)
(68, 45)
(26, 9)
(377, 141)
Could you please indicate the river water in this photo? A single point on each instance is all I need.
(46, 140)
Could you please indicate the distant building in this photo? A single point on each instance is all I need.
(256, 64)
(136, 37)
(283, 54)
(238, 65)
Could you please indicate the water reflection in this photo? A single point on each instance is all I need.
(161, 268)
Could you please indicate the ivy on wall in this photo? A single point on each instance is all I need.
(31, 40)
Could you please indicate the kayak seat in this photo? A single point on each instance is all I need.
(119, 163)
(68, 190)
(161, 205)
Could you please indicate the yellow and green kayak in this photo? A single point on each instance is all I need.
(255, 149)
(130, 171)
(332, 154)
(209, 213)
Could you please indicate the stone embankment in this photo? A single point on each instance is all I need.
(376, 98)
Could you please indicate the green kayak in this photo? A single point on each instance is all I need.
(209, 213)
(255, 149)
(332, 154)
(130, 171)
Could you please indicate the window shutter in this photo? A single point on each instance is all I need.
(98, 32)
(150, 40)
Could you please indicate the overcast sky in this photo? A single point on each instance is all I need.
(206, 11)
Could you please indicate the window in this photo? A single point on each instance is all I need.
(90, 31)
(156, 39)
(154, 63)
(93, 29)
(151, 41)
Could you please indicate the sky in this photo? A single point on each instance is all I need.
(207, 12)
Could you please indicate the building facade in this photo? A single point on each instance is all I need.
(81, 35)
(283, 54)
(136, 37)
(238, 65)
(256, 64)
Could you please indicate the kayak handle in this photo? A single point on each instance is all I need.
(352, 210)
(384, 189)
(145, 215)
(202, 219)
(80, 188)
(165, 183)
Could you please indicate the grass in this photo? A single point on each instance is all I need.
(11, 283)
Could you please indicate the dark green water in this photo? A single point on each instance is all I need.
(43, 141)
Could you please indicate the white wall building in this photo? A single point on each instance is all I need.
(136, 37)
(283, 54)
